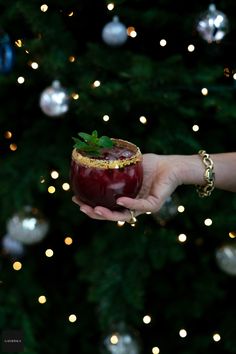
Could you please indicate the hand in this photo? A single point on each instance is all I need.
(161, 178)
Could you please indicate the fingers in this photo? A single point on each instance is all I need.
(86, 209)
(101, 213)
(141, 206)
(108, 214)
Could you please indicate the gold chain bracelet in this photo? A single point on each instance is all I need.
(209, 175)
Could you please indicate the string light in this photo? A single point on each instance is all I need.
(182, 237)
(96, 83)
(42, 299)
(191, 48)
(227, 72)
(163, 42)
(143, 120)
(195, 128)
(17, 265)
(182, 333)
(19, 43)
(65, 186)
(110, 6)
(7, 134)
(51, 189)
(71, 14)
(20, 80)
(44, 7)
(155, 350)
(75, 96)
(71, 58)
(114, 339)
(13, 147)
(42, 179)
(54, 174)
(72, 318)
(68, 241)
(131, 32)
(216, 337)
(208, 222)
(147, 319)
(106, 118)
(34, 65)
(204, 91)
(181, 208)
(232, 234)
(49, 252)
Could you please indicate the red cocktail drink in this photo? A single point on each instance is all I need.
(101, 180)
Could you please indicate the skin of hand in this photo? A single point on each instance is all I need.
(159, 182)
(162, 175)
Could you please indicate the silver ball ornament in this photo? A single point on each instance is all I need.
(12, 247)
(27, 226)
(54, 100)
(226, 258)
(121, 342)
(213, 25)
(114, 33)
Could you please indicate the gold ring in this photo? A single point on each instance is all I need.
(133, 219)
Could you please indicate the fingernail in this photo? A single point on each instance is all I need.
(98, 212)
(120, 203)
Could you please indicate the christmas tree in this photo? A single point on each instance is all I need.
(160, 74)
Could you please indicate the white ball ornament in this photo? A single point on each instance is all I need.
(54, 100)
(28, 226)
(226, 258)
(114, 33)
(213, 25)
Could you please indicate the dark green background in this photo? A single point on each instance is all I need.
(111, 274)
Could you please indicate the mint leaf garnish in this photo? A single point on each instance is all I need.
(91, 143)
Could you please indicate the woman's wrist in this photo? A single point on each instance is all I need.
(191, 169)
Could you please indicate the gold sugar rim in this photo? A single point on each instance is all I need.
(109, 164)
